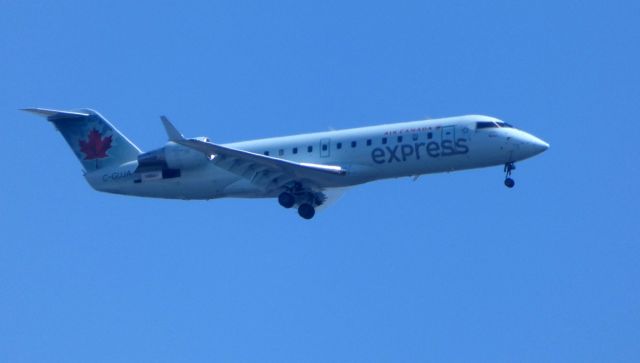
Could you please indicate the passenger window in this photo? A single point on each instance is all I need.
(324, 147)
(414, 137)
(353, 144)
(399, 139)
(384, 141)
(281, 152)
(309, 149)
(429, 135)
(369, 142)
(339, 145)
(266, 153)
(295, 150)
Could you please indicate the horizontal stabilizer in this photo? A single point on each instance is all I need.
(46, 112)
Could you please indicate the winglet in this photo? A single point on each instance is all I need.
(172, 132)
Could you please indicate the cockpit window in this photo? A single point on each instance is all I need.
(486, 125)
(491, 124)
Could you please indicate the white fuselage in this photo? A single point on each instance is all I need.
(367, 154)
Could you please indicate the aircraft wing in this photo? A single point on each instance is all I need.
(266, 171)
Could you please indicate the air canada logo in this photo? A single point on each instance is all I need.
(95, 146)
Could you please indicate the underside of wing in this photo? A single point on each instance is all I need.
(264, 171)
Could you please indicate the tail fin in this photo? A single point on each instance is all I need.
(96, 143)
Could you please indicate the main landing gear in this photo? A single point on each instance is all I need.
(508, 168)
(306, 201)
(286, 199)
(306, 211)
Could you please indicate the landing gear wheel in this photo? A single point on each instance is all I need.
(509, 183)
(306, 211)
(286, 199)
(508, 168)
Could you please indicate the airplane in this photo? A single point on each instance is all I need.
(305, 171)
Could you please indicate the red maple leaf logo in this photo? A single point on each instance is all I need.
(96, 146)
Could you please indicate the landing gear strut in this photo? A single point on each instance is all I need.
(508, 168)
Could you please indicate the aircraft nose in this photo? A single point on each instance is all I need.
(533, 145)
(539, 145)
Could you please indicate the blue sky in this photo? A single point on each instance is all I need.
(452, 267)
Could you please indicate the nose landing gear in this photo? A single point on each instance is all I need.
(508, 168)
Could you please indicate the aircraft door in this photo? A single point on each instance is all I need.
(464, 132)
(449, 133)
(325, 148)
(448, 140)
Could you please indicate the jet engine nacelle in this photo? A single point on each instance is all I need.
(171, 156)
(182, 157)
